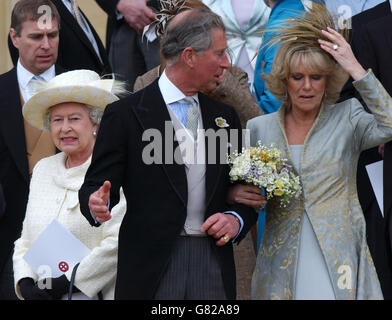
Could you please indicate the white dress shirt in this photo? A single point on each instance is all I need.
(25, 78)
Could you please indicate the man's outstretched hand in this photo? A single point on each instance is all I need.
(98, 203)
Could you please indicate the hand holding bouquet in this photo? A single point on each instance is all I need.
(263, 167)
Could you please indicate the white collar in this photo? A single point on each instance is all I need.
(390, 4)
(24, 75)
(169, 91)
(68, 4)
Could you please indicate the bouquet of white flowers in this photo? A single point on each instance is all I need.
(263, 167)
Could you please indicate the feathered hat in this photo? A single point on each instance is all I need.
(170, 8)
(305, 27)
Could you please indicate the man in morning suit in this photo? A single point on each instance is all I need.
(80, 46)
(176, 238)
(21, 146)
(372, 44)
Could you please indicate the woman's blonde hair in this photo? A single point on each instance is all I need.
(298, 40)
(314, 60)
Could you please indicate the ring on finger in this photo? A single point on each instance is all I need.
(226, 238)
(335, 47)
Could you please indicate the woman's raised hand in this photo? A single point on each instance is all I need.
(339, 48)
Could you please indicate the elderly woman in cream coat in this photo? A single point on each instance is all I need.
(315, 248)
(70, 107)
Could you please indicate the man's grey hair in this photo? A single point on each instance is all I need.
(94, 113)
(195, 30)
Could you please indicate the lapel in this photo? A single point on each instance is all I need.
(59, 69)
(12, 122)
(229, 13)
(68, 18)
(152, 113)
(260, 12)
(101, 48)
(213, 170)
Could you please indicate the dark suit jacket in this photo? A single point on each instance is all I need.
(157, 193)
(14, 172)
(75, 49)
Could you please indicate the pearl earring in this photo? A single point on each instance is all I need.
(95, 133)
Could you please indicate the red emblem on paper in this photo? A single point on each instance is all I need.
(63, 266)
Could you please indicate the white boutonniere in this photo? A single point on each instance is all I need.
(221, 123)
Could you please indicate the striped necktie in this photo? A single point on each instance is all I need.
(192, 122)
(39, 78)
(32, 86)
(76, 12)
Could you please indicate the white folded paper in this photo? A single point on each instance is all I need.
(375, 172)
(55, 251)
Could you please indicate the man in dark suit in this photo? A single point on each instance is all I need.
(175, 241)
(80, 46)
(20, 145)
(130, 55)
(372, 44)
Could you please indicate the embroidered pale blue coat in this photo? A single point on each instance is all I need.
(328, 176)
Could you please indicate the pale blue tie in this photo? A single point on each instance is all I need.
(39, 78)
(192, 122)
(32, 86)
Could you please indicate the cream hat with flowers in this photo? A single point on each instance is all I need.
(82, 86)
